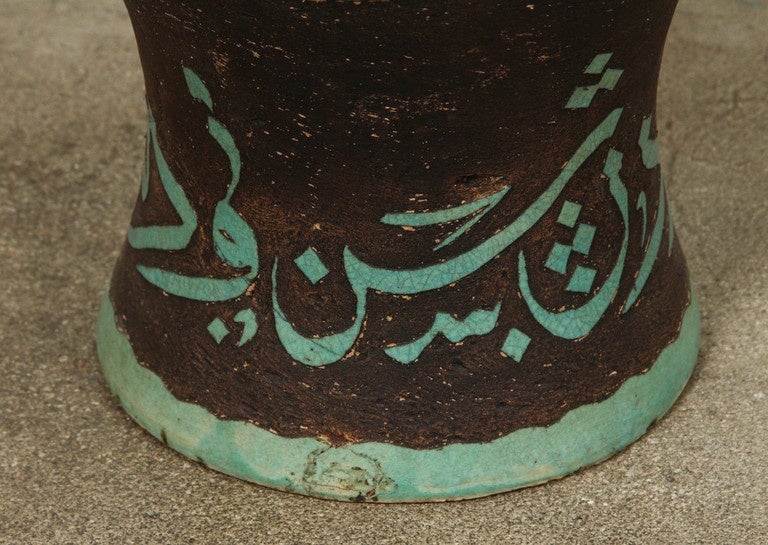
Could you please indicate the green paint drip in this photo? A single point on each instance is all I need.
(478, 322)
(525, 457)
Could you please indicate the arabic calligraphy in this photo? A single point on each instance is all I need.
(578, 322)
(474, 210)
(650, 154)
(163, 237)
(479, 322)
(582, 96)
(233, 239)
(235, 243)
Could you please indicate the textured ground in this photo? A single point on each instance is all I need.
(74, 469)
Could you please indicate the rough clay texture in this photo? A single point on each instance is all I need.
(75, 469)
(294, 75)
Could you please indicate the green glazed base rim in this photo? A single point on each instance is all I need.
(390, 473)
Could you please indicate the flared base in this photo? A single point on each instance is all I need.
(389, 473)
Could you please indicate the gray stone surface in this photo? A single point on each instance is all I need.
(74, 469)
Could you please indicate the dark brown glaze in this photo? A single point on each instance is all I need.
(346, 111)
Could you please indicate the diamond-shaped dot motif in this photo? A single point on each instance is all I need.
(610, 79)
(582, 242)
(569, 213)
(583, 277)
(582, 280)
(598, 63)
(558, 258)
(309, 263)
(582, 96)
(516, 344)
(218, 330)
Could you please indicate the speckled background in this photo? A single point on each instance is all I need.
(75, 469)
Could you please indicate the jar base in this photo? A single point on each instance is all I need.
(389, 473)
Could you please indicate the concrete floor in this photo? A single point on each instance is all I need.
(74, 469)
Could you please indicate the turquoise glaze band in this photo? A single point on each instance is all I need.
(386, 472)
